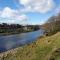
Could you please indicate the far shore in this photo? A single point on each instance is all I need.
(13, 33)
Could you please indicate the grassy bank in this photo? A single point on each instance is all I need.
(13, 33)
(45, 48)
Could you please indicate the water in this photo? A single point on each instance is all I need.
(13, 41)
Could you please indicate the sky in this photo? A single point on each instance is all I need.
(28, 11)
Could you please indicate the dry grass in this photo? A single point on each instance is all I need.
(45, 48)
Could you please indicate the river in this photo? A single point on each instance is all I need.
(13, 41)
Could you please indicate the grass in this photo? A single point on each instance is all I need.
(45, 48)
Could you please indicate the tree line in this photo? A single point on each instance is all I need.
(17, 28)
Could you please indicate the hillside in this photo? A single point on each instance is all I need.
(45, 48)
(52, 25)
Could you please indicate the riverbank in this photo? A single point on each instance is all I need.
(45, 48)
(13, 33)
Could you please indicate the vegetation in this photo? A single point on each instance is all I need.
(6, 29)
(52, 26)
(45, 48)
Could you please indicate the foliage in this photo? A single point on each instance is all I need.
(17, 28)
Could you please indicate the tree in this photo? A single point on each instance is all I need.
(53, 24)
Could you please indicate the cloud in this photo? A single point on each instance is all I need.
(57, 10)
(8, 12)
(41, 6)
(11, 16)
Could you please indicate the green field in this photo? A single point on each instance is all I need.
(45, 48)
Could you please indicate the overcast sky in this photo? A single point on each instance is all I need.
(28, 11)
